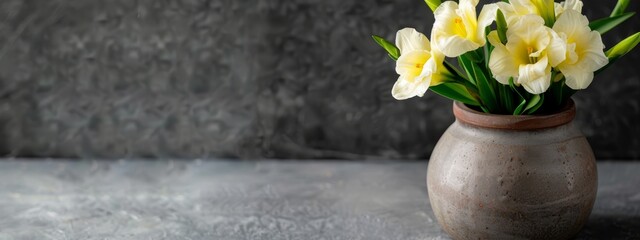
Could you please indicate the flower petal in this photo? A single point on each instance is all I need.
(445, 8)
(524, 7)
(421, 87)
(405, 88)
(571, 56)
(467, 10)
(557, 49)
(446, 16)
(486, 17)
(469, 3)
(572, 23)
(592, 55)
(408, 39)
(527, 26)
(575, 5)
(411, 63)
(508, 11)
(558, 8)
(577, 77)
(454, 46)
(432, 72)
(501, 61)
(535, 78)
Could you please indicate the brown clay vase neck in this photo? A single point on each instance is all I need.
(469, 116)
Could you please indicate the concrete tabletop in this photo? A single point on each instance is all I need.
(218, 199)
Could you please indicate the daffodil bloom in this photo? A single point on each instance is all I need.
(569, 4)
(532, 49)
(418, 66)
(584, 51)
(457, 29)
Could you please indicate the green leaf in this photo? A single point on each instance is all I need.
(622, 48)
(556, 90)
(523, 99)
(487, 49)
(474, 56)
(454, 70)
(506, 98)
(487, 95)
(433, 4)
(465, 63)
(391, 48)
(501, 26)
(461, 78)
(534, 104)
(621, 6)
(455, 92)
(518, 110)
(485, 90)
(603, 25)
(514, 87)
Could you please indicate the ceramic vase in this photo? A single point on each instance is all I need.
(512, 177)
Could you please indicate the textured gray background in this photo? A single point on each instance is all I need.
(248, 79)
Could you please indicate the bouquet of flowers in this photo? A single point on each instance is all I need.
(515, 57)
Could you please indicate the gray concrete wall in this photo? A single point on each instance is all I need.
(226, 78)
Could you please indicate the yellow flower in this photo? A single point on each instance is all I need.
(532, 49)
(418, 66)
(584, 51)
(457, 30)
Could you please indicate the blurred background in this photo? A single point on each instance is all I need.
(244, 79)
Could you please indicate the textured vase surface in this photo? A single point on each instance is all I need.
(512, 177)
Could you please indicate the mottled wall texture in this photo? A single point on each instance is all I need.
(247, 79)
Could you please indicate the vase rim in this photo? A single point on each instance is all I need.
(472, 117)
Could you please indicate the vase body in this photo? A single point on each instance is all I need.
(512, 177)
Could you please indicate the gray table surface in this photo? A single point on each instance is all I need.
(217, 199)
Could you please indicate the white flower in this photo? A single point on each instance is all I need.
(457, 30)
(418, 66)
(575, 5)
(532, 49)
(584, 51)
